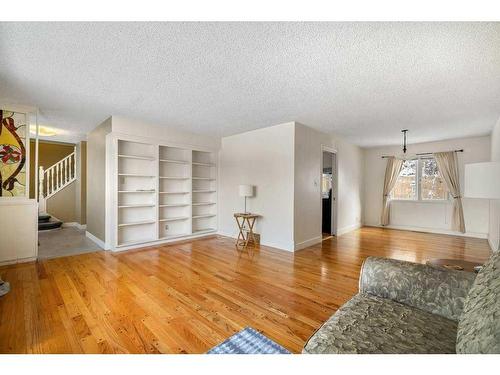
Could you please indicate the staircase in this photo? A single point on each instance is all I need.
(51, 181)
(45, 222)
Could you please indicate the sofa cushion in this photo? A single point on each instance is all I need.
(436, 290)
(370, 324)
(479, 325)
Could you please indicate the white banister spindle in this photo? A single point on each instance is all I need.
(58, 176)
(41, 179)
(65, 170)
(51, 180)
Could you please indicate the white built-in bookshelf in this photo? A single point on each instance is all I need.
(163, 192)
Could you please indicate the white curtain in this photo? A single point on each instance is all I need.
(447, 163)
(391, 176)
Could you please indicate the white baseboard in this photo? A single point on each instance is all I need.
(162, 242)
(16, 261)
(95, 240)
(279, 246)
(307, 243)
(348, 229)
(432, 230)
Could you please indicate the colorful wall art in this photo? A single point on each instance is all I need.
(13, 132)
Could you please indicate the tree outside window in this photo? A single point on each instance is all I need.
(432, 186)
(406, 185)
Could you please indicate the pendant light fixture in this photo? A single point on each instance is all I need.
(405, 155)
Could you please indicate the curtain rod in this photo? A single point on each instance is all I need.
(424, 153)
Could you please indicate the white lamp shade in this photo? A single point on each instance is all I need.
(482, 180)
(246, 190)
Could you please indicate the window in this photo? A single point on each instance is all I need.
(419, 179)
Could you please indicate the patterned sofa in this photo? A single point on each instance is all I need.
(405, 307)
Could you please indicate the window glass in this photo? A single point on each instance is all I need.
(406, 185)
(432, 186)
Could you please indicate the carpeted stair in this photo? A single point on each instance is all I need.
(45, 222)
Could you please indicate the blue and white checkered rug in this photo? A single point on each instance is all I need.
(248, 341)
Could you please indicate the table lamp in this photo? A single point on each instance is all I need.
(246, 191)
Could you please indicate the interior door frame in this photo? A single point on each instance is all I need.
(333, 224)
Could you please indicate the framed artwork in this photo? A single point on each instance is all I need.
(14, 136)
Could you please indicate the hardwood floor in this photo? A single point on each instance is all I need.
(188, 297)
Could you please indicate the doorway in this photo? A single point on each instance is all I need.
(328, 194)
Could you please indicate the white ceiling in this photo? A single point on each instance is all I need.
(364, 81)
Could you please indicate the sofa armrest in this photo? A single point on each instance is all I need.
(432, 289)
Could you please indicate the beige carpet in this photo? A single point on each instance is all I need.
(63, 242)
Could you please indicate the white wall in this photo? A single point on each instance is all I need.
(263, 158)
(18, 230)
(167, 134)
(350, 188)
(307, 197)
(495, 142)
(96, 181)
(284, 162)
(427, 216)
(494, 232)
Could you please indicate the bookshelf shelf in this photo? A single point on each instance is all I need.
(203, 216)
(135, 191)
(136, 157)
(134, 175)
(136, 205)
(137, 223)
(174, 161)
(207, 230)
(174, 218)
(204, 164)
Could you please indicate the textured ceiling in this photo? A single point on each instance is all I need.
(365, 81)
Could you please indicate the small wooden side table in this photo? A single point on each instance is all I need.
(454, 264)
(249, 219)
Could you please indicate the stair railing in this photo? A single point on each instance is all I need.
(55, 178)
